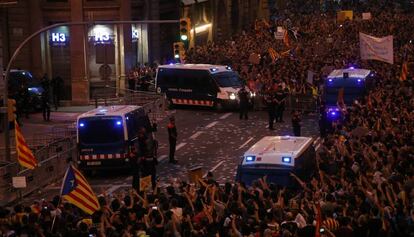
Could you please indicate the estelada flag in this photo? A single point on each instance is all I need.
(25, 156)
(77, 191)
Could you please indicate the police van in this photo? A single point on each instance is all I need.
(199, 84)
(355, 84)
(276, 157)
(106, 135)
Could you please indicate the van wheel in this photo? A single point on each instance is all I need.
(219, 106)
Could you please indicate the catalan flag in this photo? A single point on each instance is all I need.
(404, 67)
(273, 54)
(25, 156)
(404, 71)
(286, 38)
(76, 190)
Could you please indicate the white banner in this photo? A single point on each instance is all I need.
(376, 48)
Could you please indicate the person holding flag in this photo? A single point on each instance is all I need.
(77, 191)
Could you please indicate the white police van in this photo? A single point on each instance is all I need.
(276, 157)
(199, 84)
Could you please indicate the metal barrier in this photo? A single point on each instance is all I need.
(300, 102)
(53, 160)
(38, 140)
(303, 102)
(153, 103)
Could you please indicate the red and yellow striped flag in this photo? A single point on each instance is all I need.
(76, 190)
(273, 54)
(404, 71)
(286, 38)
(25, 156)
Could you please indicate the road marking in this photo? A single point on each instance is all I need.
(247, 142)
(319, 142)
(214, 168)
(180, 146)
(195, 135)
(116, 187)
(212, 124)
(225, 116)
(162, 158)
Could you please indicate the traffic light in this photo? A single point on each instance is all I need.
(11, 109)
(179, 51)
(185, 27)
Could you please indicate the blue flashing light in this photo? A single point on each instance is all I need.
(359, 80)
(118, 123)
(330, 80)
(81, 125)
(250, 158)
(333, 113)
(352, 67)
(287, 159)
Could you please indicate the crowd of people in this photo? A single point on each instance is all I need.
(364, 181)
(141, 77)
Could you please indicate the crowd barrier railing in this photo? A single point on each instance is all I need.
(53, 159)
(303, 103)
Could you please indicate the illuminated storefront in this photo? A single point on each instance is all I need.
(103, 55)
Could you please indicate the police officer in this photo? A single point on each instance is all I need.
(172, 139)
(45, 97)
(45, 105)
(135, 166)
(280, 97)
(323, 122)
(296, 123)
(243, 102)
(148, 160)
(270, 104)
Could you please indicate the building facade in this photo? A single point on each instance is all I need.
(87, 57)
(91, 57)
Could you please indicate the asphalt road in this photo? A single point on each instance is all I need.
(215, 141)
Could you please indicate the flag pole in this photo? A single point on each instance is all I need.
(60, 197)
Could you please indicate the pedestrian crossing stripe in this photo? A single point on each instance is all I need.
(193, 102)
(102, 156)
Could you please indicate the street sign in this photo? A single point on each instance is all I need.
(19, 182)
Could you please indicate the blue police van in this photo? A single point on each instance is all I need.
(106, 135)
(355, 84)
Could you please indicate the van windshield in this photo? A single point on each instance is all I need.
(227, 79)
(101, 130)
